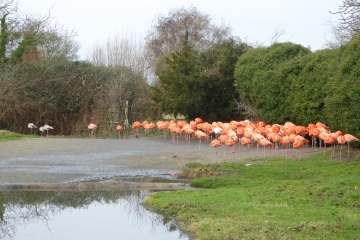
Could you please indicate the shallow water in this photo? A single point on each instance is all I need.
(87, 215)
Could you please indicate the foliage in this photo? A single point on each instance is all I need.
(309, 89)
(342, 99)
(199, 84)
(307, 199)
(264, 76)
(4, 37)
(182, 24)
(67, 95)
(287, 82)
(33, 38)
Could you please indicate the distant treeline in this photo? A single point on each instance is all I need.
(70, 95)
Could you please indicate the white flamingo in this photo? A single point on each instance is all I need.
(31, 126)
(47, 128)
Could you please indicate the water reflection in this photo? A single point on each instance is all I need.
(81, 215)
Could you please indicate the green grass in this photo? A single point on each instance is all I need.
(313, 198)
(8, 135)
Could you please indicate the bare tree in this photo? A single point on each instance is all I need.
(123, 59)
(338, 37)
(277, 34)
(350, 15)
(171, 31)
(126, 51)
(349, 24)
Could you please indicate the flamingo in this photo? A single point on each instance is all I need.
(286, 140)
(264, 142)
(298, 143)
(45, 128)
(350, 138)
(245, 141)
(41, 129)
(341, 140)
(276, 139)
(31, 126)
(230, 143)
(92, 127)
(199, 134)
(119, 128)
(215, 143)
(136, 126)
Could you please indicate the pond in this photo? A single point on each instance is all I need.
(87, 215)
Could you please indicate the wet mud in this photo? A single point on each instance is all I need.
(75, 164)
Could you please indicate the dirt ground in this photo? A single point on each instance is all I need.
(59, 160)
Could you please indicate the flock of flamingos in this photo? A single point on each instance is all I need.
(248, 132)
(245, 132)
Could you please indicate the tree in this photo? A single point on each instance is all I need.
(350, 15)
(169, 31)
(263, 76)
(33, 38)
(200, 83)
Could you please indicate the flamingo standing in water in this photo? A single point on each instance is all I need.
(200, 135)
(230, 143)
(215, 143)
(92, 127)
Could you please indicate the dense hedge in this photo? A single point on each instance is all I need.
(287, 82)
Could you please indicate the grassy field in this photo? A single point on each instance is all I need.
(313, 198)
(7, 136)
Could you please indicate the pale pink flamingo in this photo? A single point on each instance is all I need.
(92, 127)
(350, 138)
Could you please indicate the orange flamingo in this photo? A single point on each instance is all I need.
(136, 126)
(341, 140)
(276, 137)
(286, 140)
(331, 139)
(230, 143)
(350, 138)
(215, 143)
(299, 143)
(245, 141)
(119, 128)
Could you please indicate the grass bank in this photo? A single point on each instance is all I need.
(8, 135)
(313, 198)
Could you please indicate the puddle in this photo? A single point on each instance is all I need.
(87, 215)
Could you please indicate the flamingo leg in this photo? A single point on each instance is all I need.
(340, 151)
(264, 152)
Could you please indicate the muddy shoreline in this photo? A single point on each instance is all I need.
(96, 163)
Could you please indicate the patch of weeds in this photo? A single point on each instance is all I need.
(200, 171)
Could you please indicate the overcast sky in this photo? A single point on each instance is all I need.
(95, 21)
